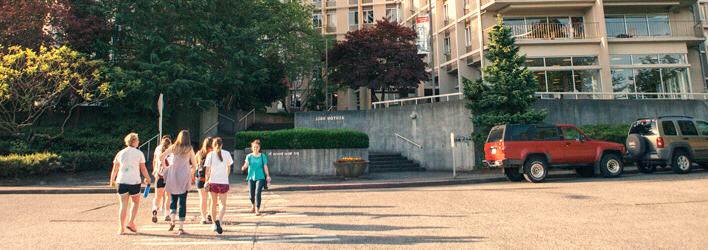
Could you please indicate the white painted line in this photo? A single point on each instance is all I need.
(249, 240)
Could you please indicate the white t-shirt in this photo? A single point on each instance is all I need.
(158, 152)
(128, 161)
(218, 172)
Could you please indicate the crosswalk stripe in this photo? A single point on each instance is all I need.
(249, 240)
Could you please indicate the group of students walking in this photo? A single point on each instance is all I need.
(176, 167)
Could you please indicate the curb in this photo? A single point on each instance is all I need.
(351, 186)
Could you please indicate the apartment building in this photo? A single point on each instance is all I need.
(579, 49)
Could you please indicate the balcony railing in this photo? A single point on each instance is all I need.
(485, 2)
(550, 31)
(643, 29)
(331, 3)
(353, 2)
(331, 29)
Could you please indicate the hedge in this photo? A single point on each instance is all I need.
(607, 132)
(74, 161)
(304, 138)
(15, 165)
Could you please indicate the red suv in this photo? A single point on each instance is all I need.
(530, 150)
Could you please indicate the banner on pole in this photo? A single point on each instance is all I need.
(422, 28)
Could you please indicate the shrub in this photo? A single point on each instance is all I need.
(74, 161)
(15, 165)
(304, 138)
(607, 132)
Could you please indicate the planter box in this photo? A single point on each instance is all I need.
(303, 162)
(350, 169)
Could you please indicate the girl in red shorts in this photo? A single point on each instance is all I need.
(218, 167)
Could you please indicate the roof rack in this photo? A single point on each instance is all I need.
(675, 116)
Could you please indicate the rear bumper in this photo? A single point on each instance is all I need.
(502, 163)
(661, 156)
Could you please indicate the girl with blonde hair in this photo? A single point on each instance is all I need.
(128, 164)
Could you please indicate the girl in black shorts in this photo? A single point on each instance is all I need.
(162, 200)
(200, 176)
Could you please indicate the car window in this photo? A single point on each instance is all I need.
(702, 127)
(669, 128)
(687, 127)
(521, 133)
(642, 127)
(547, 133)
(570, 133)
(496, 134)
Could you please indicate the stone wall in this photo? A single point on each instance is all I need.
(302, 162)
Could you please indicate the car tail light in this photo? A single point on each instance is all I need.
(659, 142)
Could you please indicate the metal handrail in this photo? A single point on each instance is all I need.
(408, 140)
(226, 117)
(148, 141)
(638, 95)
(415, 99)
(210, 128)
(247, 114)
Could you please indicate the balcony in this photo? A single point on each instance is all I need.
(506, 5)
(653, 30)
(550, 32)
(331, 29)
(331, 3)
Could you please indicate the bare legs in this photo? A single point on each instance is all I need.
(122, 212)
(220, 200)
(203, 203)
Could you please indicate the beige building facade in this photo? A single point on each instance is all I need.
(579, 49)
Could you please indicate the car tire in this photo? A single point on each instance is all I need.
(586, 172)
(611, 165)
(646, 168)
(513, 175)
(536, 169)
(681, 162)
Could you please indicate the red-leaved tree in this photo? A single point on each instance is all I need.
(383, 58)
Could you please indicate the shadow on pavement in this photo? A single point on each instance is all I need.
(377, 240)
(378, 216)
(339, 206)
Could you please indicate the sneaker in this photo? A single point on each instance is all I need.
(219, 230)
(209, 219)
(167, 218)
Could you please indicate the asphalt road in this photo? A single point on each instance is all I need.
(659, 211)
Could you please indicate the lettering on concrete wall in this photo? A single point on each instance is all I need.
(329, 118)
(284, 154)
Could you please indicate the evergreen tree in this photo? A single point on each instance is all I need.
(506, 93)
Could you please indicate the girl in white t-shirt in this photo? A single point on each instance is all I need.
(218, 167)
(128, 164)
(162, 199)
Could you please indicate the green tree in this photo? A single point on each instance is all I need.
(33, 82)
(201, 53)
(506, 93)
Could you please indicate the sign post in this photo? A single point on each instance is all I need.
(452, 148)
(160, 105)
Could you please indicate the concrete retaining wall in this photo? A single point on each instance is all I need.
(302, 162)
(433, 124)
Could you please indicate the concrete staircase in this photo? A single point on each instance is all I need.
(380, 162)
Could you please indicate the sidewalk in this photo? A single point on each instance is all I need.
(97, 181)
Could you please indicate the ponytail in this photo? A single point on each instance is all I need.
(217, 145)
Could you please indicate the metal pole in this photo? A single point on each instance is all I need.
(326, 78)
(452, 148)
(432, 49)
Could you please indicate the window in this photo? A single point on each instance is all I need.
(620, 59)
(446, 13)
(669, 128)
(331, 22)
(546, 27)
(702, 127)
(446, 44)
(353, 18)
(317, 20)
(521, 133)
(584, 60)
(643, 127)
(466, 4)
(570, 133)
(468, 35)
(628, 26)
(547, 133)
(497, 134)
(392, 14)
(560, 81)
(534, 62)
(586, 80)
(558, 61)
(687, 127)
(368, 16)
(650, 79)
